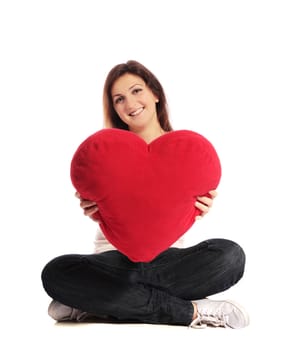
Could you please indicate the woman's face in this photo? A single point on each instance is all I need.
(134, 102)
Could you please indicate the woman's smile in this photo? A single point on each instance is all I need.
(136, 112)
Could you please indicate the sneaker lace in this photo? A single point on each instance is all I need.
(78, 315)
(204, 319)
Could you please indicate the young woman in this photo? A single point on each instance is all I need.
(171, 289)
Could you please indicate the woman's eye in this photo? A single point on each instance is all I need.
(136, 91)
(118, 99)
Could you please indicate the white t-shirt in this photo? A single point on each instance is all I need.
(103, 245)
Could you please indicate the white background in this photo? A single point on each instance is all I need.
(226, 67)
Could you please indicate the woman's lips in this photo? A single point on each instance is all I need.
(136, 112)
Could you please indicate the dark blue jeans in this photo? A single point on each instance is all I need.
(158, 292)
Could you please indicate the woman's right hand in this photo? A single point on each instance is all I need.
(89, 207)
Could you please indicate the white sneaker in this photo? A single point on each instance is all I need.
(60, 312)
(224, 313)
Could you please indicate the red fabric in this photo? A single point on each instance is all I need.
(145, 192)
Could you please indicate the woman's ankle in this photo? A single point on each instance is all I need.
(194, 311)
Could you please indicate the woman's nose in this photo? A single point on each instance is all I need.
(130, 103)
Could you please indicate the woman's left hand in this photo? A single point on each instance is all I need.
(204, 203)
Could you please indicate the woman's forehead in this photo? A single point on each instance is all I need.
(125, 83)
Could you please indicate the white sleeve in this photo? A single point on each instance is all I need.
(101, 244)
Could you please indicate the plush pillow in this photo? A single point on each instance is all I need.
(145, 192)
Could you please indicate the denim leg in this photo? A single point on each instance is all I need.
(207, 268)
(109, 284)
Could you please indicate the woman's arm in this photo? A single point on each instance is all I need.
(204, 203)
(89, 207)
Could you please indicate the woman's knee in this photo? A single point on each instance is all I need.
(55, 271)
(232, 254)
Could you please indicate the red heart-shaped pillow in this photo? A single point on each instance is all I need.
(145, 192)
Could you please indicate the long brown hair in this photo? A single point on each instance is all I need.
(111, 118)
